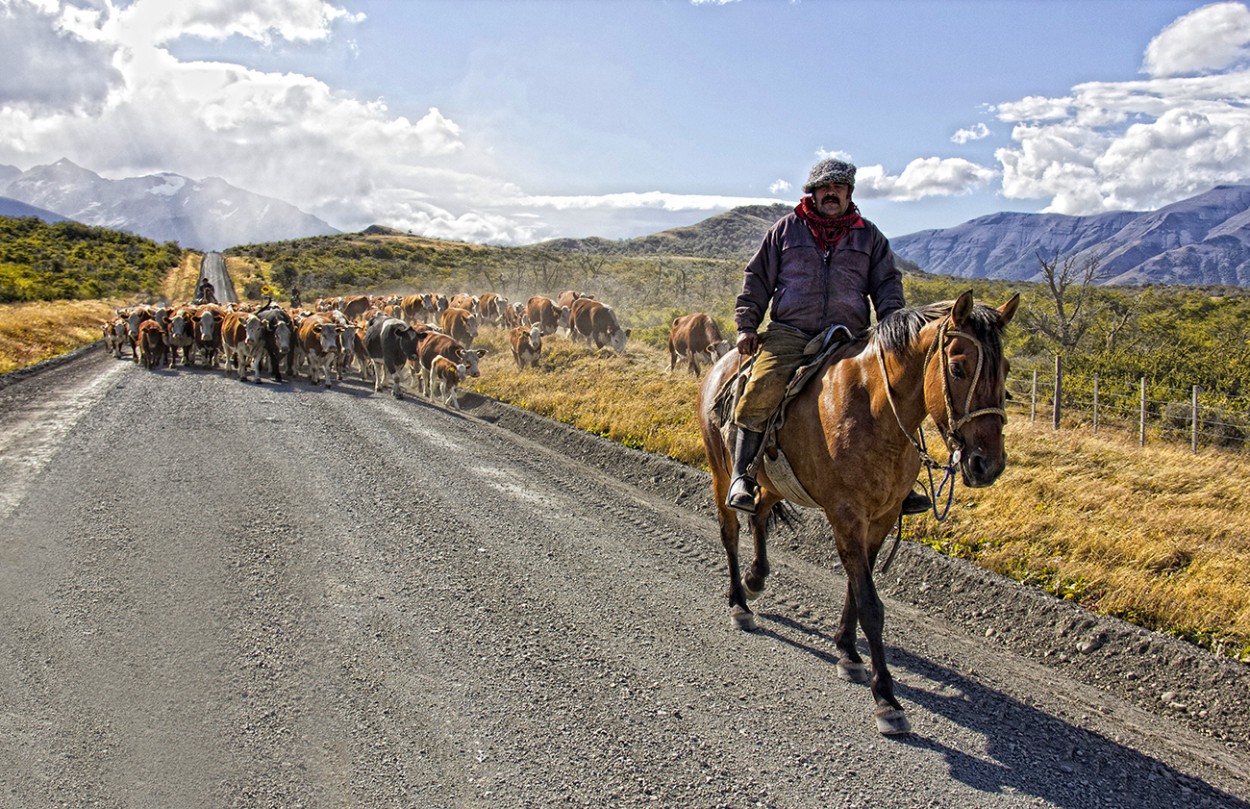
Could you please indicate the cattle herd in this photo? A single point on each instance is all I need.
(389, 339)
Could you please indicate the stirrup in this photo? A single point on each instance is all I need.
(742, 493)
(916, 503)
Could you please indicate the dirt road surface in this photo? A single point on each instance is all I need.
(223, 594)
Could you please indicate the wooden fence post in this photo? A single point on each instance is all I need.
(1193, 440)
(1033, 404)
(1095, 404)
(1058, 389)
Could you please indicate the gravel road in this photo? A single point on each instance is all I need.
(223, 594)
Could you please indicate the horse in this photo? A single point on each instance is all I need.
(849, 440)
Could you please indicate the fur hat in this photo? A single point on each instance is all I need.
(829, 171)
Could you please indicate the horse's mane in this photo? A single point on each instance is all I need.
(897, 333)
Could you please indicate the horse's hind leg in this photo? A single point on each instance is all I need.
(850, 665)
(757, 575)
(739, 613)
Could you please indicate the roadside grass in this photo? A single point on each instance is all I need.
(1156, 535)
(36, 331)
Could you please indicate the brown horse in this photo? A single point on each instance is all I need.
(849, 440)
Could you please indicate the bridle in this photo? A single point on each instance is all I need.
(954, 441)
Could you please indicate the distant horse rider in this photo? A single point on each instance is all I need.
(295, 298)
(205, 292)
(818, 266)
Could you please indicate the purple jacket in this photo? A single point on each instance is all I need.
(811, 291)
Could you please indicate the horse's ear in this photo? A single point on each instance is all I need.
(961, 309)
(1009, 308)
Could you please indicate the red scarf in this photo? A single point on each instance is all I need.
(828, 231)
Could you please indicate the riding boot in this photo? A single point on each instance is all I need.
(742, 487)
(916, 503)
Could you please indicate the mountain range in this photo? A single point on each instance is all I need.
(207, 214)
(1200, 241)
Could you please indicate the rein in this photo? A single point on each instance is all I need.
(954, 442)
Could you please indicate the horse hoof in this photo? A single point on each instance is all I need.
(743, 619)
(852, 672)
(893, 722)
(750, 593)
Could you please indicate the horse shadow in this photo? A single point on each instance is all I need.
(1026, 751)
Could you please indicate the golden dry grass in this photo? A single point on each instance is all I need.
(33, 332)
(179, 284)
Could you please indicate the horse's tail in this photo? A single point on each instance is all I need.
(782, 513)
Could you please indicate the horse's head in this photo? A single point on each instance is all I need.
(965, 386)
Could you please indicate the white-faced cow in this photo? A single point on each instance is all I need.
(317, 344)
(134, 317)
(461, 324)
(442, 345)
(418, 309)
(116, 335)
(527, 345)
(597, 325)
(544, 313)
(695, 337)
(490, 308)
(180, 335)
(391, 344)
(513, 315)
(445, 378)
(209, 322)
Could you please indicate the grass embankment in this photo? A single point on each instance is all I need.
(1156, 535)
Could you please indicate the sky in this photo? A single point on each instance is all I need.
(515, 121)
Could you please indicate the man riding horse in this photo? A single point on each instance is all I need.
(818, 266)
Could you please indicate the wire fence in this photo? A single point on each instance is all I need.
(1145, 410)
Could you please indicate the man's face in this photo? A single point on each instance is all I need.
(833, 199)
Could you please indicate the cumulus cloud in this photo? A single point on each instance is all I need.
(1138, 145)
(922, 177)
(1212, 38)
(978, 131)
(780, 187)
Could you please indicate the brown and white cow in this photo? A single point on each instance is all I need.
(463, 301)
(153, 350)
(317, 343)
(597, 325)
(527, 345)
(490, 308)
(135, 316)
(180, 335)
(461, 324)
(695, 336)
(445, 378)
(116, 335)
(417, 309)
(567, 297)
(210, 318)
(442, 345)
(544, 313)
(354, 306)
(513, 315)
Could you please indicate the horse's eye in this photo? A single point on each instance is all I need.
(957, 371)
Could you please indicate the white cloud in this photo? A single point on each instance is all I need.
(922, 177)
(1212, 38)
(978, 131)
(1139, 145)
(51, 61)
(780, 187)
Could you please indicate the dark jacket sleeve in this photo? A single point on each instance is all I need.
(885, 282)
(759, 280)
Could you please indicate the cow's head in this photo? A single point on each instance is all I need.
(255, 328)
(469, 360)
(327, 335)
(617, 338)
(562, 317)
(718, 349)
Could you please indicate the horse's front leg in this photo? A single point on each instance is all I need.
(871, 613)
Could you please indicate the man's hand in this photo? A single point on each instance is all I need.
(748, 343)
